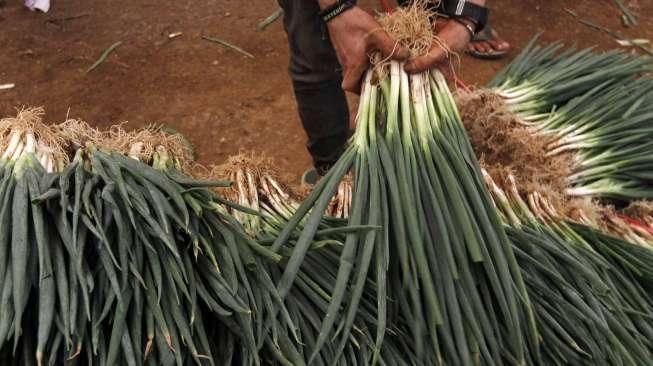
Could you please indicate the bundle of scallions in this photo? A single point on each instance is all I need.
(584, 296)
(597, 105)
(591, 292)
(589, 310)
(257, 186)
(114, 261)
(269, 205)
(605, 219)
(442, 262)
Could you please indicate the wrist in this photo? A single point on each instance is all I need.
(336, 9)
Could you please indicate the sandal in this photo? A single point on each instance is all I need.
(489, 36)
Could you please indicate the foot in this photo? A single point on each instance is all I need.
(311, 177)
(488, 45)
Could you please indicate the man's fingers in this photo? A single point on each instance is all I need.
(353, 77)
(426, 62)
(389, 48)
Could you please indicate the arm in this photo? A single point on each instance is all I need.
(355, 34)
(454, 35)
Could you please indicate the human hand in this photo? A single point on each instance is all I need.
(355, 35)
(453, 36)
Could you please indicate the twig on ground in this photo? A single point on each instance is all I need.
(104, 56)
(67, 18)
(7, 86)
(229, 45)
(628, 18)
(269, 20)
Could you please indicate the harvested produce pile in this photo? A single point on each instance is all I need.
(109, 260)
(111, 253)
(265, 207)
(607, 264)
(573, 127)
(589, 290)
(581, 110)
(417, 177)
(593, 104)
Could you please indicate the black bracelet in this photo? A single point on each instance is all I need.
(336, 9)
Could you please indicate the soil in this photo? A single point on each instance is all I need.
(222, 101)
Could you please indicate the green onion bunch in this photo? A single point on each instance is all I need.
(114, 261)
(543, 77)
(611, 132)
(589, 310)
(256, 186)
(603, 218)
(297, 330)
(442, 263)
(596, 105)
(608, 233)
(25, 256)
(589, 290)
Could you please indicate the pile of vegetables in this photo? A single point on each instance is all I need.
(572, 127)
(115, 251)
(110, 260)
(417, 177)
(122, 258)
(397, 156)
(590, 292)
(587, 267)
(265, 206)
(597, 105)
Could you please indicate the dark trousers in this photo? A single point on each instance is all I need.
(316, 78)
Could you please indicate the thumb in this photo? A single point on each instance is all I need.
(389, 48)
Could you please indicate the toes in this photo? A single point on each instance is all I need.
(485, 47)
(479, 47)
(474, 47)
(499, 45)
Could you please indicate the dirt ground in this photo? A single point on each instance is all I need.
(221, 100)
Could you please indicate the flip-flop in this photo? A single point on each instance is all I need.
(484, 36)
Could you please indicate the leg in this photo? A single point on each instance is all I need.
(316, 78)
